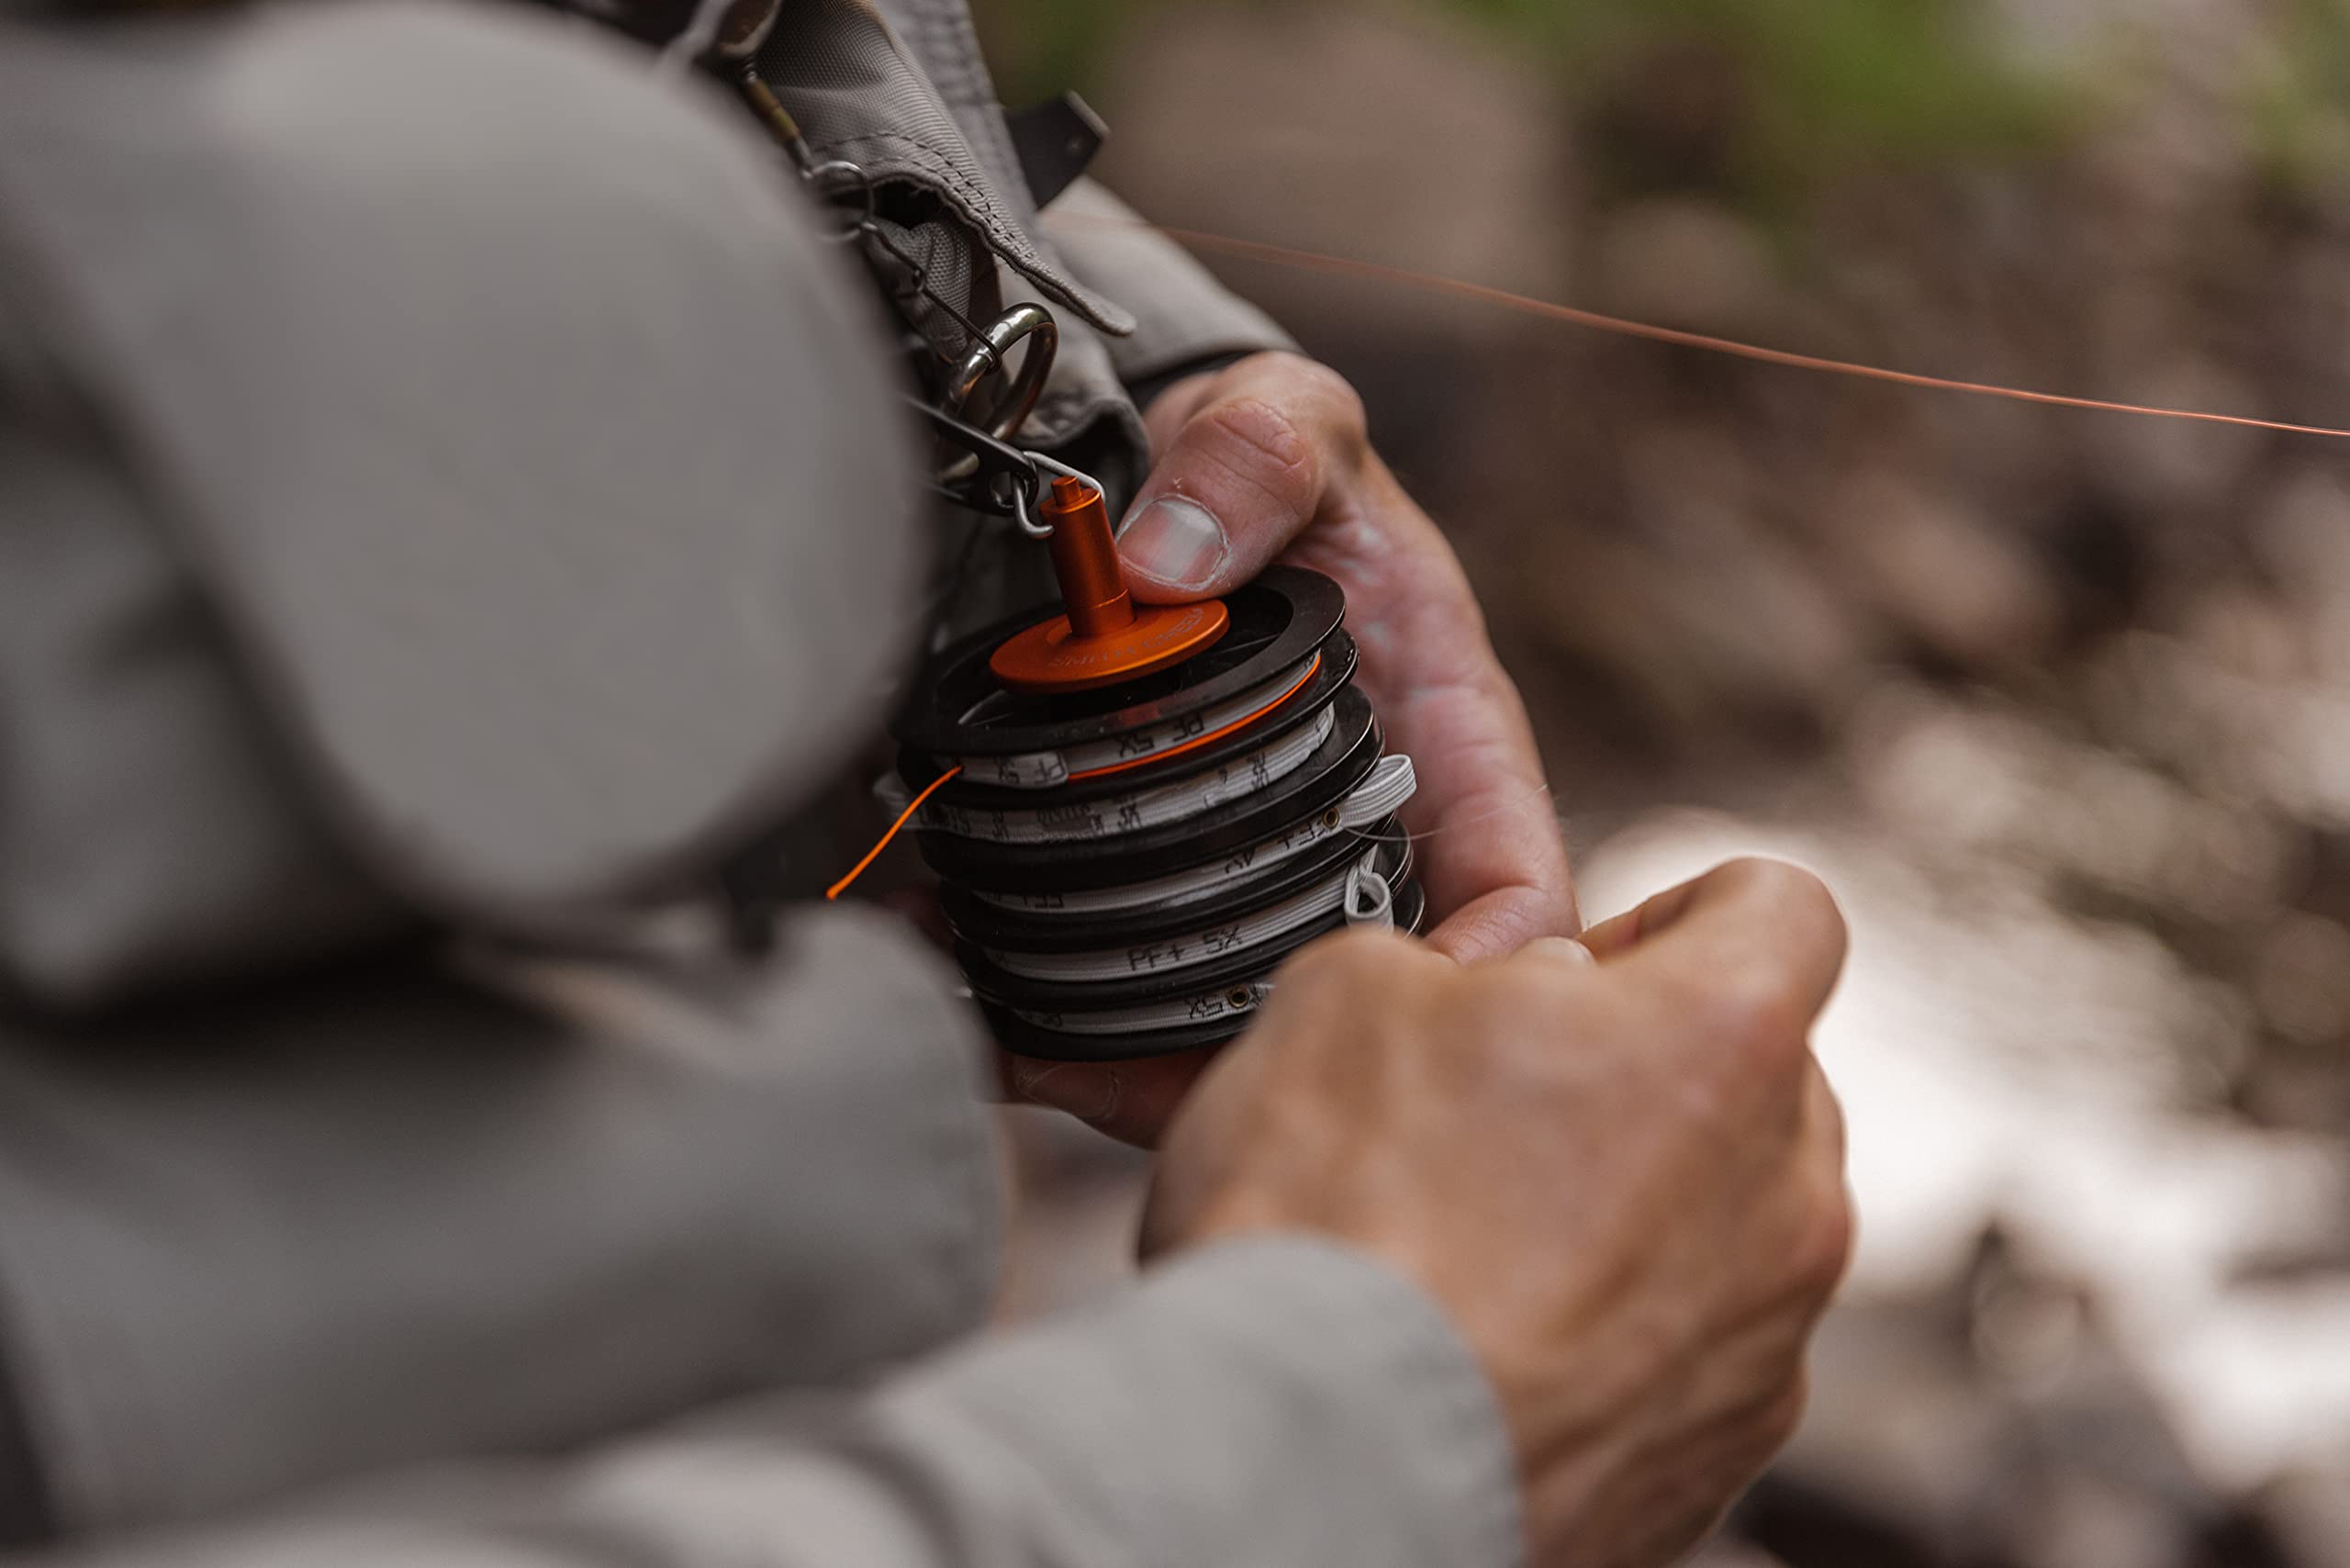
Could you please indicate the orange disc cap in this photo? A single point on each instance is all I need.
(1105, 638)
(1054, 658)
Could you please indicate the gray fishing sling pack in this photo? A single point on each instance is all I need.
(331, 582)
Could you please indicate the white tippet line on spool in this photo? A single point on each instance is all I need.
(1348, 891)
(1243, 996)
(1138, 809)
(1047, 770)
(1369, 901)
(1383, 791)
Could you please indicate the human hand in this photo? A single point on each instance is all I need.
(1621, 1179)
(1270, 458)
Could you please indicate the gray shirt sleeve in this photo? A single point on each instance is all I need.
(1183, 316)
(390, 1216)
(1272, 1404)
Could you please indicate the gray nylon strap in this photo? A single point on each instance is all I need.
(849, 81)
(1056, 140)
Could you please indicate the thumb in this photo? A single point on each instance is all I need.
(1244, 475)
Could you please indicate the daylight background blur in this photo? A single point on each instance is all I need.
(2059, 702)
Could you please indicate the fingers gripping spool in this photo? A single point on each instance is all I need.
(1140, 812)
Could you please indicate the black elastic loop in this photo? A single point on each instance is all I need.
(998, 464)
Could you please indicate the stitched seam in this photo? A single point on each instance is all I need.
(978, 208)
(931, 161)
(973, 90)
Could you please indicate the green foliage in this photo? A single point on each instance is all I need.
(2299, 103)
(1040, 48)
(1824, 84)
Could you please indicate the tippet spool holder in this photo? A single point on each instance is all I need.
(1155, 806)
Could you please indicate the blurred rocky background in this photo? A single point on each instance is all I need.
(2058, 701)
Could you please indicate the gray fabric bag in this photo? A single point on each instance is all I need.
(527, 653)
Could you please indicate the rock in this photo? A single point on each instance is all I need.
(1411, 139)
(2246, 633)
(2169, 468)
(1690, 265)
(2301, 978)
(1943, 572)
(2308, 1514)
(2301, 537)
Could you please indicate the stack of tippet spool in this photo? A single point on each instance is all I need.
(1145, 810)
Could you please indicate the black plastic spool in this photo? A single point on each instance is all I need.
(1046, 1044)
(957, 709)
(1022, 931)
(1334, 770)
(1279, 621)
(994, 983)
(1321, 689)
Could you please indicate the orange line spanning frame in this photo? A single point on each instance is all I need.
(1528, 305)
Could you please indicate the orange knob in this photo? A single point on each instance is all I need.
(1105, 639)
(1085, 559)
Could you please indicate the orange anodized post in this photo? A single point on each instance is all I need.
(1085, 559)
(1105, 638)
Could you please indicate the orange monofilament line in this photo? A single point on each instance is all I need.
(1192, 745)
(1198, 741)
(837, 888)
(1347, 266)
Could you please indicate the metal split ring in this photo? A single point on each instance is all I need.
(1032, 323)
(835, 178)
(1020, 496)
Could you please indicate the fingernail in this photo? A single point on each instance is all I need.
(1564, 948)
(1088, 1097)
(1175, 541)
